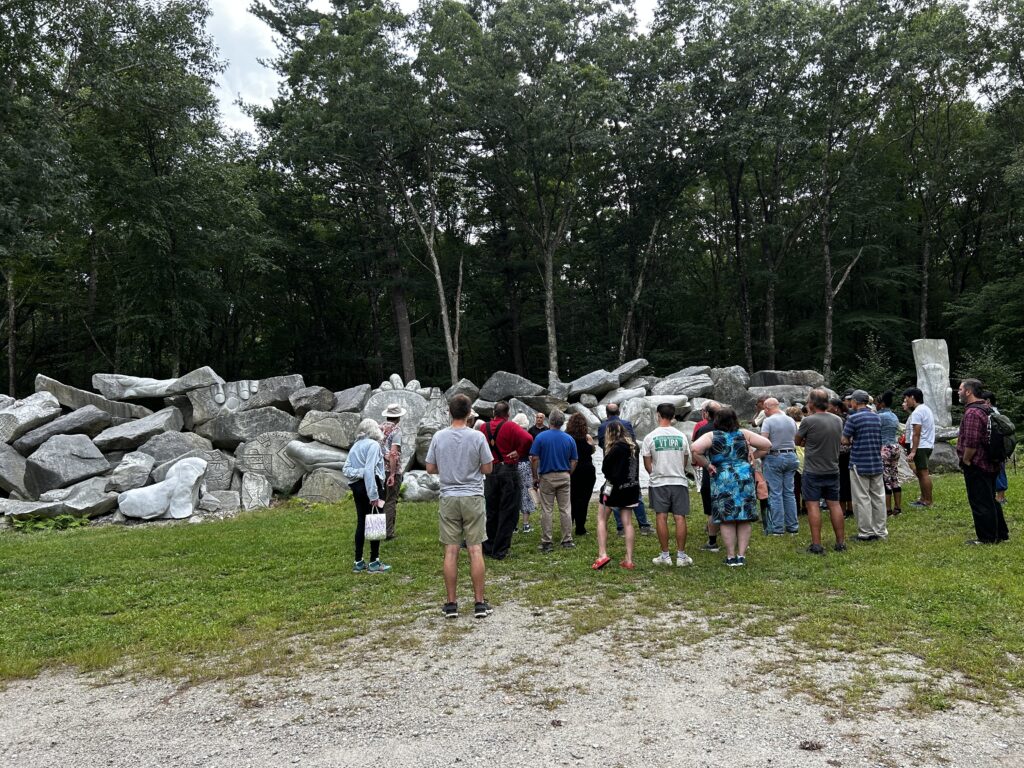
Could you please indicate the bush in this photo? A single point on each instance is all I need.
(872, 372)
(998, 374)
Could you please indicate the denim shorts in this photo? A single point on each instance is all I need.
(817, 487)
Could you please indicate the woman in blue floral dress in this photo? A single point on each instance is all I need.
(727, 453)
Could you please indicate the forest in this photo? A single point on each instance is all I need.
(527, 185)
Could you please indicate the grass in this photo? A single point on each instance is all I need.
(271, 590)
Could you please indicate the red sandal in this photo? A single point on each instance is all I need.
(627, 566)
(601, 562)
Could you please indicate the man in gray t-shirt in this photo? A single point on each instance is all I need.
(819, 434)
(780, 466)
(461, 457)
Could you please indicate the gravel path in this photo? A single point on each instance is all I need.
(506, 691)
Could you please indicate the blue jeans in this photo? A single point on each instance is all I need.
(779, 470)
(639, 511)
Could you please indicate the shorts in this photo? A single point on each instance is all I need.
(462, 518)
(818, 487)
(670, 499)
(921, 458)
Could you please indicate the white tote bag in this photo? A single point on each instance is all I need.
(905, 472)
(376, 527)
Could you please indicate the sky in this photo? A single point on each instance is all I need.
(243, 40)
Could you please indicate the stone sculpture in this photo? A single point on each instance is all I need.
(132, 472)
(415, 406)
(931, 356)
(175, 497)
(89, 420)
(268, 455)
(74, 398)
(117, 386)
(132, 434)
(22, 416)
(315, 455)
(324, 486)
(256, 491)
(61, 461)
(247, 395)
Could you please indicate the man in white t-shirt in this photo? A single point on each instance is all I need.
(920, 437)
(666, 453)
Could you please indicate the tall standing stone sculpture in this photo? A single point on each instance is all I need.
(931, 356)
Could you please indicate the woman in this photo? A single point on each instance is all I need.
(726, 454)
(621, 468)
(581, 481)
(890, 454)
(364, 469)
(526, 502)
(838, 407)
(796, 413)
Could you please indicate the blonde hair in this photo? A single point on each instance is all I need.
(616, 433)
(795, 412)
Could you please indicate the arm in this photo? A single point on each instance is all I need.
(915, 440)
(648, 463)
(432, 468)
(369, 476)
(485, 469)
(759, 443)
(700, 448)
(572, 465)
(534, 467)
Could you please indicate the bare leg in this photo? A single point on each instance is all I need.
(680, 533)
(835, 511)
(661, 524)
(925, 479)
(743, 538)
(729, 537)
(814, 520)
(602, 531)
(451, 569)
(897, 498)
(627, 528)
(476, 571)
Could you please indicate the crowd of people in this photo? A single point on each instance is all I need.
(844, 452)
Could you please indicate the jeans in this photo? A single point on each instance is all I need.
(640, 512)
(779, 471)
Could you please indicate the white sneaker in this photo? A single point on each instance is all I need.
(662, 560)
(684, 560)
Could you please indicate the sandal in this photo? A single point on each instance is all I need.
(627, 566)
(600, 563)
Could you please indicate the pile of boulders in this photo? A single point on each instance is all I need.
(200, 447)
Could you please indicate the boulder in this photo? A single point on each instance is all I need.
(730, 390)
(229, 430)
(420, 486)
(689, 371)
(22, 416)
(643, 417)
(18, 510)
(931, 360)
(129, 436)
(545, 403)
(484, 408)
(352, 399)
(266, 455)
(12, 471)
(311, 399)
(220, 502)
(88, 498)
(595, 383)
(132, 472)
(256, 491)
(220, 468)
(61, 461)
(74, 398)
(736, 371)
(177, 496)
(645, 382)
(117, 386)
(415, 407)
(89, 420)
(517, 406)
(170, 445)
(681, 402)
(593, 422)
(622, 394)
(324, 486)
(422, 446)
(626, 371)
(435, 418)
(697, 405)
(183, 404)
(246, 395)
(588, 400)
(462, 387)
(796, 378)
(503, 385)
(396, 381)
(943, 459)
(697, 385)
(557, 388)
(313, 455)
(330, 428)
(787, 394)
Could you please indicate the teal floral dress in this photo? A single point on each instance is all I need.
(733, 496)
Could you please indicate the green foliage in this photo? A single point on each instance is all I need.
(999, 374)
(59, 523)
(873, 371)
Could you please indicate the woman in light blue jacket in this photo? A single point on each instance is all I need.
(364, 469)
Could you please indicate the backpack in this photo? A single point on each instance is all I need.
(1002, 438)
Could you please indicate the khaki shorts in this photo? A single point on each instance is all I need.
(462, 518)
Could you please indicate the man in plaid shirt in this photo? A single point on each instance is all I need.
(979, 469)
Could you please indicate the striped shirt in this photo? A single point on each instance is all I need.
(864, 427)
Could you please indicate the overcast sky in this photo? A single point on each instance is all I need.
(243, 40)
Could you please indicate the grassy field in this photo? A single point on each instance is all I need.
(267, 591)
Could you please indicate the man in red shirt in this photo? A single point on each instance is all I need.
(979, 469)
(502, 492)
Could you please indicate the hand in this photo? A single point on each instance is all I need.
(514, 455)
(911, 454)
(536, 483)
(379, 503)
(391, 481)
(710, 469)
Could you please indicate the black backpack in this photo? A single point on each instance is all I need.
(1002, 438)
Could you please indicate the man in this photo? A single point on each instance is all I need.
(508, 441)
(391, 447)
(553, 457)
(819, 434)
(706, 424)
(460, 455)
(780, 466)
(863, 433)
(920, 437)
(666, 455)
(538, 425)
(760, 416)
(979, 469)
(612, 410)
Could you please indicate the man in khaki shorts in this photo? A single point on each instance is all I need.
(461, 457)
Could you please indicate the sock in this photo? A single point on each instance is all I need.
(665, 555)
(680, 554)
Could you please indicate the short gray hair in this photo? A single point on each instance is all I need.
(556, 419)
(369, 429)
(522, 420)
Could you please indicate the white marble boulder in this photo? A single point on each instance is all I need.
(245, 395)
(517, 406)
(419, 486)
(787, 394)
(89, 420)
(595, 383)
(220, 468)
(730, 390)
(12, 471)
(132, 472)
(931, 359)
(592, 421)
(89, 498)
(267, 455)
(74, 398)
(324, 486)
(622, 394)
(23, 416)
(220, 502)
(230, 429)
(132, 434)
(415, 406)
(117, 386)
(626, 371)
(170, 445)
(330, 428)
(643, 417)
(17, 509)
(696, 385)
(313, 455)
(544, 403)
(462, 387)
(62, 461)
(771, 378)
(177, 496)
(256, 491)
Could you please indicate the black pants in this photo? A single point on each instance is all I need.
(501, 497)
(362, 501)
(989, 522)
(581, 488)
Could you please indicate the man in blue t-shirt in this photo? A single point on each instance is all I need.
(640, 512)
(863, 433)
(553, 457)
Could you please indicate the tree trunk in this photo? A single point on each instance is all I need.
(741, 266)
(549, 305)
(11, 335)
(645, 259)
(769, 319)
(925, 261)
(401, 311)
(826, 252)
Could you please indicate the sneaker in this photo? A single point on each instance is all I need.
(450, 610)
(974, 542)
(816, 549)
(774, 533)
(840, 546)
(896, 511)
(646, 530)
(683, 560)
(662, 559)
(527, 528)
(732, 562)
(569, 544)
(378, 567)
(482, 610)
(359, 566)
(866, 537)
(709, 547)
(741, 561)
(547, 548)
(920, 503)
